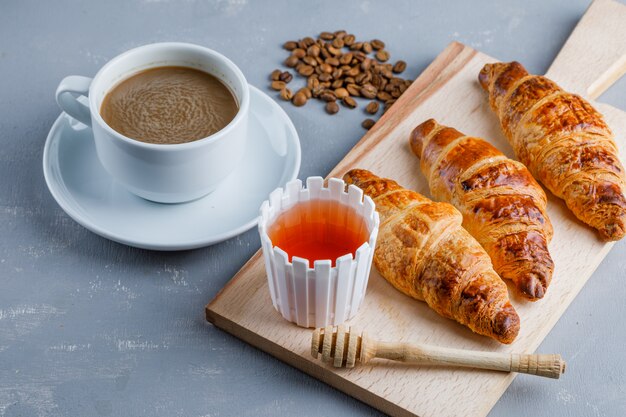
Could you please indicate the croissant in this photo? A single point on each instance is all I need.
(564, 142)
(503, 207)
(424, 252)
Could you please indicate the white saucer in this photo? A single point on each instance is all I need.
(83, 189)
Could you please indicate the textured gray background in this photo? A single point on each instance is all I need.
(93, 328)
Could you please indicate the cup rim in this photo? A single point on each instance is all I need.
(220, 134)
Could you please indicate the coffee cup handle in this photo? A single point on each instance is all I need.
(69, 90)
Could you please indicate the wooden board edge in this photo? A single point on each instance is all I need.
(310, 368)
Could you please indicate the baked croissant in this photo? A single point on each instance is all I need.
(424, 252)
(503, 207)
(564, 142)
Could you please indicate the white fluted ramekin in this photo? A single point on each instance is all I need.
(323, 295)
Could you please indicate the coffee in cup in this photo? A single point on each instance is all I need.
(169, 105)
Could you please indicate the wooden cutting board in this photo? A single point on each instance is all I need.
(594, 57)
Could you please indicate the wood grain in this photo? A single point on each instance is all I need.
(595, 54)
(449, 92)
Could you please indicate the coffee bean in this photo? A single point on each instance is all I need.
(372, 107)
(332, 107)
(340, 93)
(299, 99)
(356, 46)
(360, 56)
(275, 75)
(377, 44)
(361, 78)
(346, 59)
(313, 51)
(327, 36)
(325, 77)
(292, 61)
(326, 68)
(383, 96)
(305, 70)
(299, 52)
(328, 96)
(368, 91)
(353, 72)
(317, 91)
(285, 76)
(377, 80)
(290, 46)
(333, 51)
(312, 82)
(336, 84)
(382, 55)
(278, 85)
(286, 94)
(308, 41)
(337, 43)
(349, 102)
(306, 91)
(332, 61)
(309, 60)
(399, 67)
(348, 40)
(337, 74)
(367, 47)
(368, 124)
(340, 34)
(353, 89)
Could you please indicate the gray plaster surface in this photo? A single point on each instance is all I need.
(89, 327)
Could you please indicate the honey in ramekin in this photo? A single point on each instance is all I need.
(319, 229)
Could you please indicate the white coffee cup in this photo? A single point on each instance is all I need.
(165, 173)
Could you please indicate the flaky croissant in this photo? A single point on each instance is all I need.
(564, 142)
(503, 207)
(423, 251)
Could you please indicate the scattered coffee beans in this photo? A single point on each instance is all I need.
(299, 99)
(338, 67)
(399, 67)
(372, 107)
(332, 107)
(286, 94)
(275, 75)
(368, 124)
(285, 77)
(349, 102)
(278, 85)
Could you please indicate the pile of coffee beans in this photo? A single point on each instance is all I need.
(338, 68)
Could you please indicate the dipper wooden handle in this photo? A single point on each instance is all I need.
(343, 348)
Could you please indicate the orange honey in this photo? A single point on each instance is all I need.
(319, 230)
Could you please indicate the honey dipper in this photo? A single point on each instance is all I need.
(345, 348)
